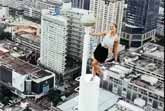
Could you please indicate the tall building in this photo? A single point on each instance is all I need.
(141, 21)
(15, 4)
(75, 32)
(77, 3)
(54, 42)
(32, 8)
(107, 13)
(160, 23)
(84, 4)
(62, 40)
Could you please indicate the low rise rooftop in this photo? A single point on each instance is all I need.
(148, 58)
(134, 77)
(23, 68)
(124, 106)
(106, 100)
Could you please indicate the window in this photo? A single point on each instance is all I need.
(124, 89)
(150, 100)
(140, 95)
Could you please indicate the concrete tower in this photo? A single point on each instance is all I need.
(88, 88)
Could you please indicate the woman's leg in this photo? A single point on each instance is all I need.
(96, 67)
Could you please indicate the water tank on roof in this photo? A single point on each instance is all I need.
(58, 8)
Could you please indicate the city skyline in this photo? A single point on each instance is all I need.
(47, 51)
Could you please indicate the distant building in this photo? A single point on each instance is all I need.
(54, 37)
(69, 40)
(77, 3)
(123, 105)
(23, 78)
(84, 4)
(160, 23)
(107, 14)
(75, 32)
(14, 4)
(32, 8)
(141, 22)
(139, 76)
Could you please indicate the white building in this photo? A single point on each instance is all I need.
(4, 12)
(75, 31)
(16, 4)
(160, 23)
(54, 37)
(59, 45)
(32, 8)
(106, 14)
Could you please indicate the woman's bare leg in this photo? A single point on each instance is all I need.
(96, 67)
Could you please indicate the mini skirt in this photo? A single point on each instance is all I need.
(101, 53)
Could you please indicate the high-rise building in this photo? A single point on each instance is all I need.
(107, 13)
(32, 8)
(77, 3)
(54, 42)
(160, 23)
(84, 4)
(75, 31)
(61, 43)
(141, 21)
(15, 4)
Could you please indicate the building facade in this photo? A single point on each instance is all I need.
(140, 76)
(160, 23)
(77, 3)
(76, 32)
(54, 37)
(32, 8)
(84, 4)
(132, 86)
(141, 22)
(69, 39)
(107, 13)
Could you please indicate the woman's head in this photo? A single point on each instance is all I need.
(114, 28)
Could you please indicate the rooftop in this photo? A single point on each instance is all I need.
(18, 65)
(149, 58)
(134, 77)
(122, 105)
(106, 100)
(152, 50)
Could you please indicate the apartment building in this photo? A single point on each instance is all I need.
(140, 75)
(54, 37)
(107, 13)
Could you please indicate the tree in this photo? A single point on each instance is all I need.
(5, 35)
(5, 100)
(27, 109)
(54, 96)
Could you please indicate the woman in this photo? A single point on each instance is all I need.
(109, 44)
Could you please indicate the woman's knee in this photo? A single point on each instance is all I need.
(94, 62)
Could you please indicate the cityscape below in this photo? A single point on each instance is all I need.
(47, 48)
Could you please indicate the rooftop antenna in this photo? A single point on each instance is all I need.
(89, 90)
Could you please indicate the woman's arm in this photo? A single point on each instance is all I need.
(98, 34)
